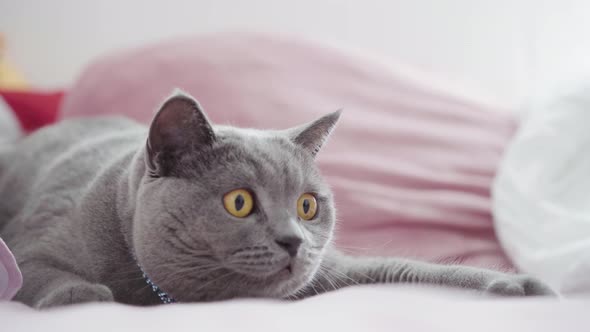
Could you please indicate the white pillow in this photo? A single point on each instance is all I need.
(541, 195)
(9, 127)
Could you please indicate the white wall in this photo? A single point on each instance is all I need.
(509, 49)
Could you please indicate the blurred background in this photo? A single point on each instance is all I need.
(506, 50)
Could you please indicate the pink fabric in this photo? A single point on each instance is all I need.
(10, 277)
(410, 164)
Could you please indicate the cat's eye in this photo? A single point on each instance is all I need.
(239, 203)
(307, 206)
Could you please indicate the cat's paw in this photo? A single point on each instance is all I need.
(518, 285)
(71, 293)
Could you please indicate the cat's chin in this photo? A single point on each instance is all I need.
(277, 283)
(280, 272)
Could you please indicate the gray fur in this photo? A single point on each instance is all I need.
(85, 201)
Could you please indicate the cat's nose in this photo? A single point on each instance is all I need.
(291, 244)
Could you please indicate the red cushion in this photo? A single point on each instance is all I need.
(33, 109)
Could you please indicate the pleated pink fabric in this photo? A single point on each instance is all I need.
(10, 276)
(410, 163)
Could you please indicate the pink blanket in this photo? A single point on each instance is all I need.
(10, 276)
(410, 163)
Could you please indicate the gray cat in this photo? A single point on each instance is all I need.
(94, 211)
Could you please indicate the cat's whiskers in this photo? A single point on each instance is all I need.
(328, 271)
(348, 249)
(326, 276)
(134, 274)
(134, 268)
(208, 283)
(319, 284)
(311, 284)
(187, 247)
(331, 238)
(191, 274)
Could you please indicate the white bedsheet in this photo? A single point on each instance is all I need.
(369, 308)
(9, 128)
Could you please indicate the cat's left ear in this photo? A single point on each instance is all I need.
(312, 136)
(180, 127)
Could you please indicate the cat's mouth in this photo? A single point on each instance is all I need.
(284, 273)
(266, 270)
(287, 270)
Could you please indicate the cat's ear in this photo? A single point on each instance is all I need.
(312, 136)
(178, 128)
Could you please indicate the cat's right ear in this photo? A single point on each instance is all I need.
(312, 136)
(180, 127)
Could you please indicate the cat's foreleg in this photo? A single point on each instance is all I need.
(47, 284)
(339, 270)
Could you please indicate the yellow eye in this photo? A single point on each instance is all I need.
(307, 206)
(238, 203)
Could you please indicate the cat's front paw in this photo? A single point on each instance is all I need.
(72, 293)
(518, 285)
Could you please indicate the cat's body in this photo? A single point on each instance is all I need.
(46, 186)
(85, 203)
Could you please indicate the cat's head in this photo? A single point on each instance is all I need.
(226, 212)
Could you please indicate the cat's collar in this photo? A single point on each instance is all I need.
(164, 297)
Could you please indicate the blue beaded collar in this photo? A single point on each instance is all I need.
(164, 297)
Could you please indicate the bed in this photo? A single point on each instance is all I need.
(376, 308)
